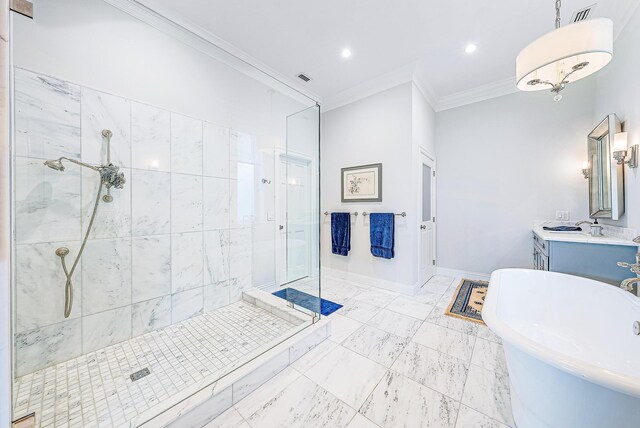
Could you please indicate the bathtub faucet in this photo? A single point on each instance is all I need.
(631, 284)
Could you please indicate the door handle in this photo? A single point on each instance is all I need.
(423, 227)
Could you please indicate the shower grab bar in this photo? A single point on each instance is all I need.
(355, 213)
(402, 214)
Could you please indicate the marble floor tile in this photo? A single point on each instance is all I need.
(261, 396)
(186, 145)
(302, 404)
(400, 402)
(469, 418)
(395, 323)
(445, 340)
(409, 306)
(487, 334)
(376, 297)
(427, 298)
(358, 310)
(488, 392)
(360, 421)
(47, 116)
(229, 419)
(150, 204)
(309, 359)
(215, 151)
(347, 375)
(150, 138)
(489, 355)
(442, 372)
(437, 316)
(104, 111)
(377, 345)
(342, 327)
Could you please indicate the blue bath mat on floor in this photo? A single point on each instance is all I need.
(308, 301)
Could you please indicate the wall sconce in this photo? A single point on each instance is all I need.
(621, 151)
(586, 171)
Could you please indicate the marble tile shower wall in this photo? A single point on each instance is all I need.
(171, 245)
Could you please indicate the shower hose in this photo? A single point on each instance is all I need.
(68, 288)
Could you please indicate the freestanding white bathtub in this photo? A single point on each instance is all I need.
(572, 356)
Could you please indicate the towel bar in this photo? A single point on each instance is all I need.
(355, 213)
(402, 214)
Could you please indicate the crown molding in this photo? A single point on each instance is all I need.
(477, 94)
(370, 87)
(196, 37)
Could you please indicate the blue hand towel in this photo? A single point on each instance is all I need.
(381, 231)
(340, 233)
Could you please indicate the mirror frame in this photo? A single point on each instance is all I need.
(610, 126)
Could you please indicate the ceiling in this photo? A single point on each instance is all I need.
(292, 36)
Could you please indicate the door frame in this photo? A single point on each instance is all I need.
(430, 156)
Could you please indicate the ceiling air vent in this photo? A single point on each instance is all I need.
(304, 77)
(583, 14)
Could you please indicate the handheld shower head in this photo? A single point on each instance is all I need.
(55, 164)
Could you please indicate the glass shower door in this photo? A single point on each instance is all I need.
(301, 166)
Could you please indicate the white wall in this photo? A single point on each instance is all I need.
(388, 128)
(618, 91)
(504, 163)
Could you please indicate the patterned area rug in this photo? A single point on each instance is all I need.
(468, 300)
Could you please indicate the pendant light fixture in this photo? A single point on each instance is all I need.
(565, 55)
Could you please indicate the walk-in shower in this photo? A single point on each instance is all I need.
(110, 176)
(168, 275)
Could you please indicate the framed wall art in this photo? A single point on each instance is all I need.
(362, 183)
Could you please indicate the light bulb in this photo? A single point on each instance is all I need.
(557, 98)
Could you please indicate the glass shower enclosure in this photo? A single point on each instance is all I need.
(164, 215)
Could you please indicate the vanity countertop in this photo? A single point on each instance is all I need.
(583, 237)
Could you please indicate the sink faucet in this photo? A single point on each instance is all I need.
(632, 283)
(594, 228)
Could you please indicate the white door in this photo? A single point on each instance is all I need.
(428, 219)
(293, 237)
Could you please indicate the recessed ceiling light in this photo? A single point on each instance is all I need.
(471, 48)
(346, 53)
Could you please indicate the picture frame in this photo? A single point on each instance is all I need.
(361, 183)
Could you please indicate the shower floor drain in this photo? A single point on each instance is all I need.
(140, 374)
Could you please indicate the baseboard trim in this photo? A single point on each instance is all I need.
(370, 281)
(456, 273)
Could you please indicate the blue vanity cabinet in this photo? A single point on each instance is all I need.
(595, 261)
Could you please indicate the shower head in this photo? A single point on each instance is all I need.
(55, 164)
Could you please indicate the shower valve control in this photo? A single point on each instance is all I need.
(636, 328)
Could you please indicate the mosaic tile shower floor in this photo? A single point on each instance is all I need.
(96, 389)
